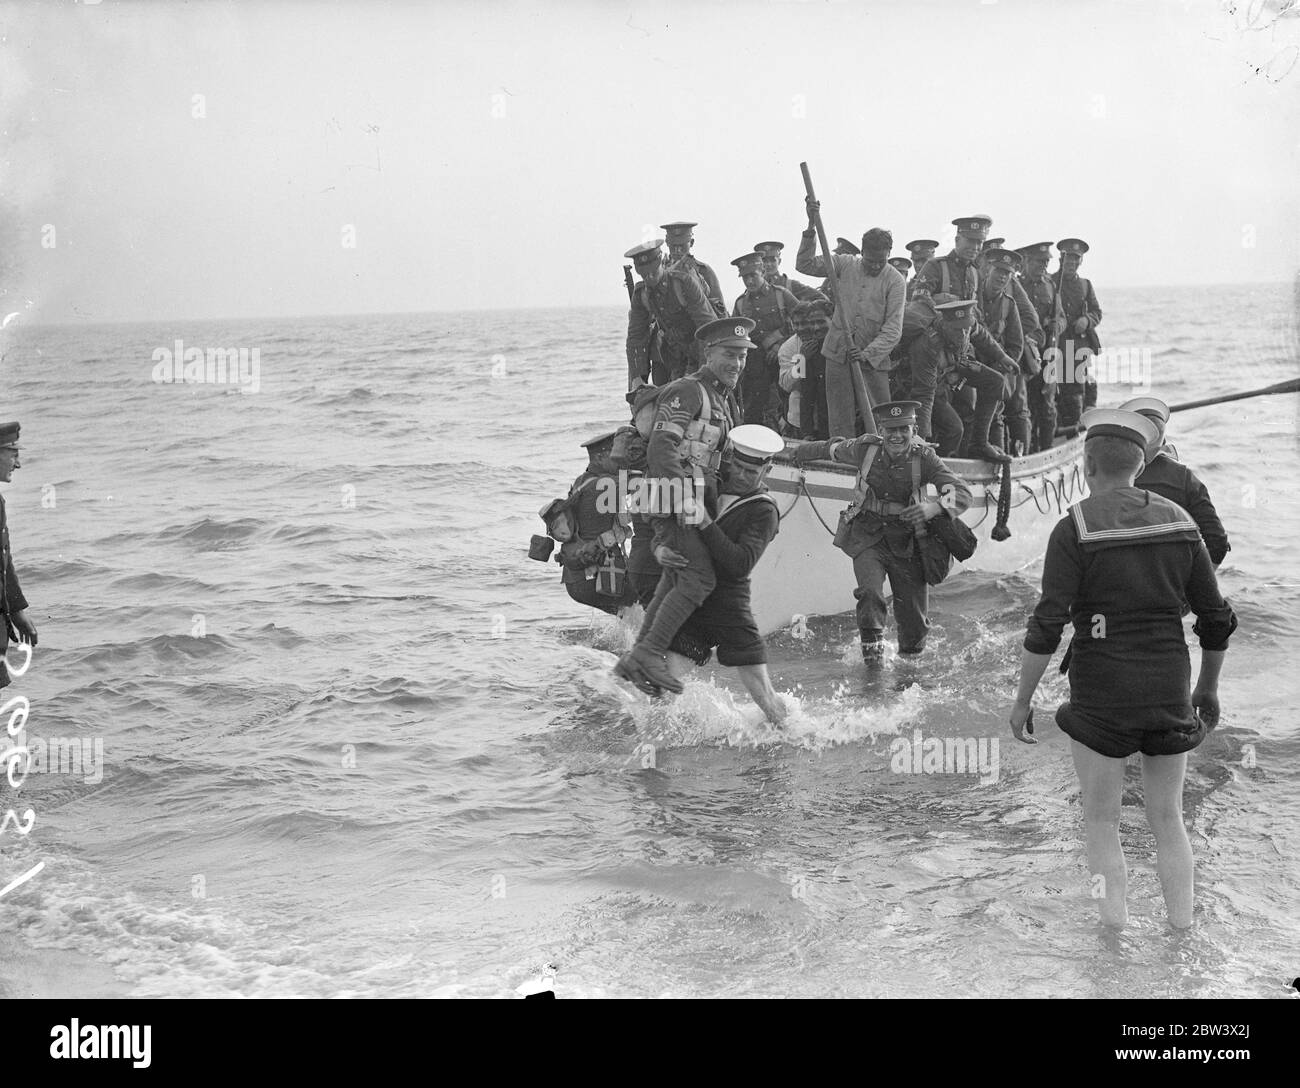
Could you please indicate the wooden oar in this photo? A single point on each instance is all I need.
(1293, 386)
(860, 394)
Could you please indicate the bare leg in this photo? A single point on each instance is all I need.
(1102, 780)
(759, 686)
(1162, 786)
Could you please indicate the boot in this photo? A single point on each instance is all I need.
(626, 669)
(979, 448)
(1018, 440)
(641, 666)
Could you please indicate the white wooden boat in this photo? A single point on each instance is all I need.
(803, 574)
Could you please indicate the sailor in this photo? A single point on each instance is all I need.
(692, 419)
(747, 522)
(888, 508)
(955, 350)
(13, 604)
(955, 273)
(593, 561)
(1043, 296)
(1079, 342)
(1001, 317)
(1118, 566)
(671, 302)
(873, 297)
(771, 254)
(770, 307)
(803, 369)
(680, 237)
(1164, 474)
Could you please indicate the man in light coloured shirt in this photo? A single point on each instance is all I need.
(871, 297)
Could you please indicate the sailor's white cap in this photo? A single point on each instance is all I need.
(1153, 406)
(754, 442)
(1118, 423)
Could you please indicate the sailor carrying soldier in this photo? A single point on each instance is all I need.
(692, 419)
(667, 307)
(880, 529)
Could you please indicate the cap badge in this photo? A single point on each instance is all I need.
(740, 330)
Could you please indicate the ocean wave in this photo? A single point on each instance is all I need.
(212, 533)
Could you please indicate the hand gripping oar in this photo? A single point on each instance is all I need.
(860, 394)
(1292, 386)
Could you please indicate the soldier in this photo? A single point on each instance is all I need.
(956, 350)
(1079, 342)
(803, 369)
(770, 307)
(12, 602)
(681, 240)
(1001, 317)
(955, 273)
(630, 455)
(874, 295)
(1043, 296)
(922, 250)
(844, 248)
(903, 265)
(771, 254)
(1118, 567)
(692, 419)
(1166, 476)
(747, 522)
(593, 562)
(886, 513)
(670, 305)
(989, 244)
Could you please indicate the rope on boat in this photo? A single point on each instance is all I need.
(804, 488)
(1000, 530)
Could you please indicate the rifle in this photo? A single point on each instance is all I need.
(627, 279)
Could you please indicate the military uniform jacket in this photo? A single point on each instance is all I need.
(708, 280)
(1041, 293)
(801, 291)
(679, 405)
(1119, 565)
(948, 275)
(1002, 320)
(589, 494)
(891, 481)
(770, 310)
(1078, 300)
(677, 305)
(930, 352)
(11, 594)
(1029, 323)
(1176, 482)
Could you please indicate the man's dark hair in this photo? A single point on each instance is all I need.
(877, 238)
(818, 305)
(1114, 456)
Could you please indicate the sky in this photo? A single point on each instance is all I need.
(207, 160)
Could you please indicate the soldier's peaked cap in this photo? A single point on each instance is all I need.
(977, 225)
(680, 231)
(994, 243)
(901, 263)
(1148, 406)
(1003, 258)
(896, 412)
(958, 312)
(749, 262)
(9, 435)
(1117, 423)
(843, 245)
(1072, 245)
(727, 331)
(754, 442)
(921, 243)
(1036, 249)
(599, 440)
(646, 251)
(769, 247)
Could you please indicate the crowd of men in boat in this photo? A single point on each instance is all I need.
(705, 431)
(995, 350)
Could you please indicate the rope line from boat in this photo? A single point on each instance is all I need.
(804, 488)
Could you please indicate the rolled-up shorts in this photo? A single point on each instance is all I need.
(738, 644)
(1120, 731)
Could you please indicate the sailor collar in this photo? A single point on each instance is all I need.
(1129, 515)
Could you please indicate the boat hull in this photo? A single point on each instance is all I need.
(802, 573)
